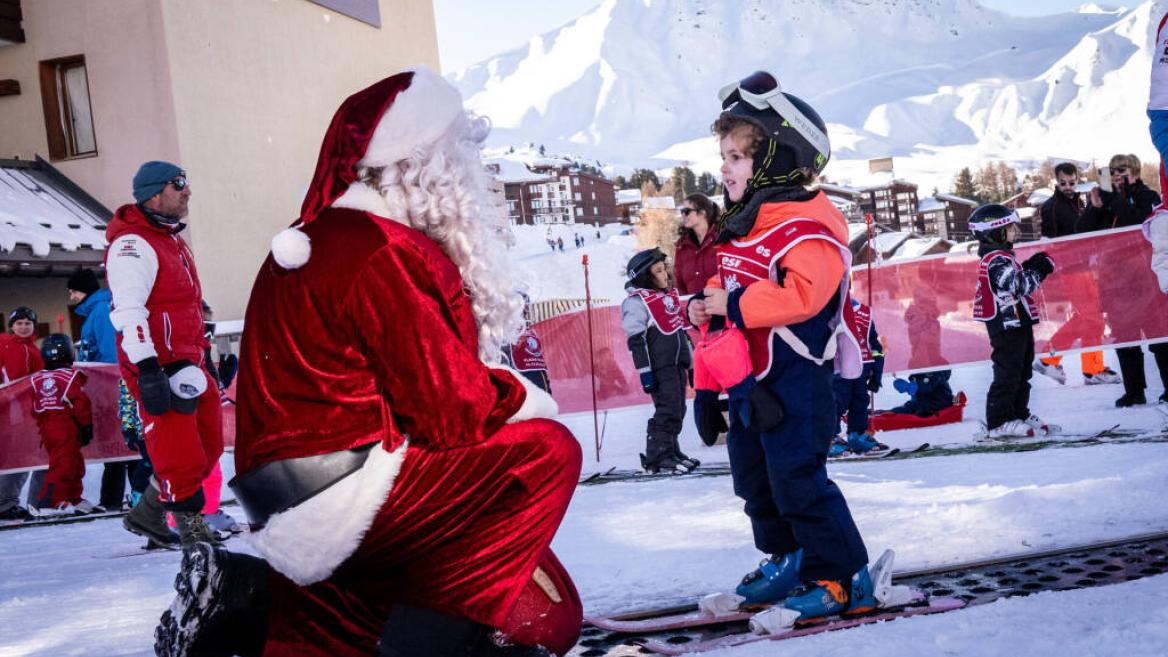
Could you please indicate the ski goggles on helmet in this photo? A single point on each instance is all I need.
(22, 313)
(761, 90)
(990, 224)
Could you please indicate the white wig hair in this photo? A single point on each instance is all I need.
(443, 189)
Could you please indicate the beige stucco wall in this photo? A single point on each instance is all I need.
(255, 85)
(239, 92)
(129, 87)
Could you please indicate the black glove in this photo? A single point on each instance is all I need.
(873, 384)
(766, 410)
(1040, 263)
(708, 416)
(153, 387)
(648, 382)
(85, 435)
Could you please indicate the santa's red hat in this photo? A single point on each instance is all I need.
(375, 127)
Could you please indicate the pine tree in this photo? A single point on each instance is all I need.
(963, 185)
(707, 183)
(620, 182)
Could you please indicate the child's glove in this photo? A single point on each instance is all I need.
(85, 435)
(1040, 263)
(133, 440)
(907, 387)
(708, 416)
(648, 382)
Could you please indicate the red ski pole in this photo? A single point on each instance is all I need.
(591, 357)
(871, 396)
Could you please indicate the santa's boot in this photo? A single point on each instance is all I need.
(417, 632)
(220, 608)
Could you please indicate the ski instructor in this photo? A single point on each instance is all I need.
(406, 491)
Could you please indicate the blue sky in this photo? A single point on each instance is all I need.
(470, 31)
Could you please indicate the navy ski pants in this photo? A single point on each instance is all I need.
(782, 475)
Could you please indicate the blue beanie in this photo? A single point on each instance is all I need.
(152, 177)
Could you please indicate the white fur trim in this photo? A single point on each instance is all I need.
(537, 404)
(1156, 230)
(307, 542)
(418, 117)
(360, 196)
(291, 248)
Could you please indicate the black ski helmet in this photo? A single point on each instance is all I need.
(798, 132)
(57, 350)
(989, 222)
(22, 312)
(640, 264)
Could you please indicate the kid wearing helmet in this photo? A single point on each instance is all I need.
(783, 282)
(1003, 301)
(65, 421)
(653, 320)
(19, 357)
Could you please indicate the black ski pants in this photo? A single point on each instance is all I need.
(668, 412)
(1009, 394)
(1131, 366)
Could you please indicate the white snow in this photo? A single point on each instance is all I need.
(41, 217)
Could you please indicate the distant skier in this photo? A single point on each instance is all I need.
(653, 321)
(64, 418)
(1003, 302)
(783, 280)
(852, 396)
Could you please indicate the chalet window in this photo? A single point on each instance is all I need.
(68, 116)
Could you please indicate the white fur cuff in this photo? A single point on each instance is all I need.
(538, 403)
(307, 542)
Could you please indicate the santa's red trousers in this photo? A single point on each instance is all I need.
(182, 446)
(58, 432)
(461, 533)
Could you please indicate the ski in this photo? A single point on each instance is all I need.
(849, 455)
(816, 626)
(49, 521)
(615, 474)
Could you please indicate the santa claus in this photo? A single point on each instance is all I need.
(405, 491)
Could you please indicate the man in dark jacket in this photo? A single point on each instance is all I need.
(1060, 213)
(1129, 204)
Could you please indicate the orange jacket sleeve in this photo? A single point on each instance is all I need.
(814, 270)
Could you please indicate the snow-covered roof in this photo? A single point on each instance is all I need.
(930, 204)
(552, 162)
(950, 198)
(513, 171)
(857, 231)
(890, 241)
(624, 196)
(1039, 196)
(918, 246)
(1027, 212)
(964, 247)
(838, 189)
(43, 210)
(842, 203)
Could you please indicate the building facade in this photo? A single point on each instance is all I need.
(237, 93)
(555, 191)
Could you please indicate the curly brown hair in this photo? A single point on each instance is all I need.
(746, 133)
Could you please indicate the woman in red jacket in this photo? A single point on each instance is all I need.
(693, 261)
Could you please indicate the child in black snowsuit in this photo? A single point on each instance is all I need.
(1003, 302)
(852, 395)
(652, 318)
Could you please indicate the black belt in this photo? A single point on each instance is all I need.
(277, 486)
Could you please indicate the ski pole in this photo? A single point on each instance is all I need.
(591, 357)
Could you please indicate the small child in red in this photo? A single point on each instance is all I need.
(64, 417)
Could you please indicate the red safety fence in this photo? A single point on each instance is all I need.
(20, 443)
(1102, 293)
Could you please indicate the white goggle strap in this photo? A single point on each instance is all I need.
(1011, 218)
(784, 108)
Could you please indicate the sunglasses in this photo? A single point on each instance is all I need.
(685, 212)
(1120, 170)
(179, 183)
(761, 90)
(1063, 183)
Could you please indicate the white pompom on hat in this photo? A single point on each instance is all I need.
(375, 127)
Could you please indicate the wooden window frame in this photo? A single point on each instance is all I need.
(58, 123)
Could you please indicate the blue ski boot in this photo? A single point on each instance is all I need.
(862, 443)
(838, 447)
(828, 597)
(773, 580)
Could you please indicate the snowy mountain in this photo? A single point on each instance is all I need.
(937, 83)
